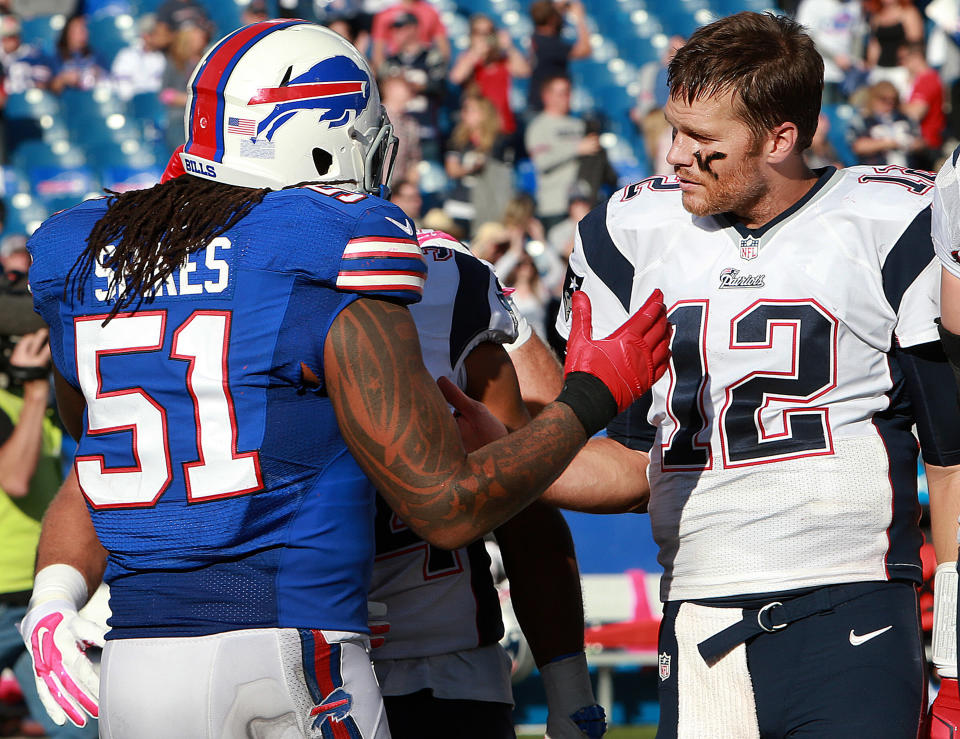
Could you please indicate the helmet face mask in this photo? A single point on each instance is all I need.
(278, 103)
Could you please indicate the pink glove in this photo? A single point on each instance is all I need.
(57, 638)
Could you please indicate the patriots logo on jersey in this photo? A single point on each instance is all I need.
(335, 707)
(571, 284)
(955, 255)
(336, 85)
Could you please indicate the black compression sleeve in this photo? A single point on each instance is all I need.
(934, 401)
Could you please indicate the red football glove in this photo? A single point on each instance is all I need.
(174, 166)
(630, 359)
(944, 718)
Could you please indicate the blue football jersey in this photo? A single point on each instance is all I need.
(216, 478)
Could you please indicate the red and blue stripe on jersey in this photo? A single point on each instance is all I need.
(205, 135)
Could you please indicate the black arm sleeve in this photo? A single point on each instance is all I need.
(631, 428)
(933, 398)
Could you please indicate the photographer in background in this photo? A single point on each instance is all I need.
(29, 473)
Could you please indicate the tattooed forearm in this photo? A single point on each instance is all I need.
(396, 424)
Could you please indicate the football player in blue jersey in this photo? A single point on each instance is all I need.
(234, 354)
(782, 467)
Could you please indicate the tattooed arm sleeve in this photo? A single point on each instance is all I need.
(398, 427)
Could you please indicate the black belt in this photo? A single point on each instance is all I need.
(777, 615)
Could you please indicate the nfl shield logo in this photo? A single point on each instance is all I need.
(749, 248)
(664, 666)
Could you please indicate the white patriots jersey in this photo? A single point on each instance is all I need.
(442, 601)
(946, 215)
(781, 454)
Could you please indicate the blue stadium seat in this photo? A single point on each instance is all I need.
(30, 104)
(61, 187)
(41, 154)
(124, 178)
(42, 31)
(110, 33)
(23, 220)
(526, 177)
(226, 15)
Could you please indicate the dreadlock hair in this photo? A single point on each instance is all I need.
(153, 230)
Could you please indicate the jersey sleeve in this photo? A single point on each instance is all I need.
(911, 282)
(481, 310)
(601, 270)
(946, 215)
(382, 257)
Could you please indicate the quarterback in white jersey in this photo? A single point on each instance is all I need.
(771, 468)
(782, 473)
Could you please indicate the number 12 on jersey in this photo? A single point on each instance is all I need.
(203, 342)
(788, 393)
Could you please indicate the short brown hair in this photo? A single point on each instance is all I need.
(543, 12)
(768, 62)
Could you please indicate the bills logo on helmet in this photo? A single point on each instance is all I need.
(336, 85)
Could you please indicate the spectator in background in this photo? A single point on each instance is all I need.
(595, 174)
(551, 53)
(425, 69)
(924, 103)
(184, 52)
(652, 80)
(892, 24)
(528, 235)
(349, 18)
(138, 68)
(256, 11)
(406, 196)
(24, 67)
(821, 153)
(489, 64)
(657, 140)
(555, 142)
(483, 182)
(173, 15)
(75, 64)
(29, 478)
(396, 94)
(560, 238)
(430, 30)
(836, 27)
(885, 135)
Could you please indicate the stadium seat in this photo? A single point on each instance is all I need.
(125, 178)
(42, 31)
(110, 33)
(23, 218)
(43, 154)
(61, 187)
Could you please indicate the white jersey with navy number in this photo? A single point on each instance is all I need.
(946, 215)
(441, 601)
(782, 455)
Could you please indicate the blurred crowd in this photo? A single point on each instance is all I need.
(490, 150)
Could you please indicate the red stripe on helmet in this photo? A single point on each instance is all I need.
(302, 92)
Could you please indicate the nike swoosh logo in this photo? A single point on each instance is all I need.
(406, 226)
(858, 639)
